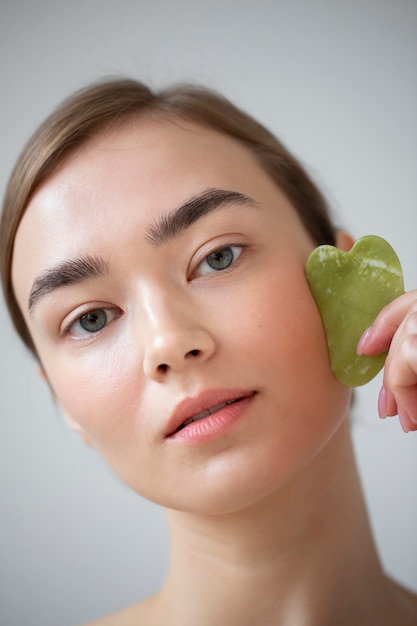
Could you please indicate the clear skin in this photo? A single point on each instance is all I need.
(177, 328)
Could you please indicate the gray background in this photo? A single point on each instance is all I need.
(337, 81)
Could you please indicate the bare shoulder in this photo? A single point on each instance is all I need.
(137, 615)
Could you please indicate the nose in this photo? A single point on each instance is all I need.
(176, 340)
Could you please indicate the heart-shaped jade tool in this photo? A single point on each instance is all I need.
(350, 289)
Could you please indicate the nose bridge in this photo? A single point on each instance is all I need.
(165, 306)
(175, 336)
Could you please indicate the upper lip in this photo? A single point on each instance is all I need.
(210, 401)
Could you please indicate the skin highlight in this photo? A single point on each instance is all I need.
(210, 299)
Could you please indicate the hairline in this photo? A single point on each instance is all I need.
(70, 128)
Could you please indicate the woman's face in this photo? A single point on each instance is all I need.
(161, 274)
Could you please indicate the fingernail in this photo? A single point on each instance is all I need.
(362, 341)
(413, 418)
(403, 423)
(382, 403)
(407, 418)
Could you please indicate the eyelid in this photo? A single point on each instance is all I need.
(76, 316)
(205, 253)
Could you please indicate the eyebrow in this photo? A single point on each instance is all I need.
(163, 229)
(172, 224)
(70, 272)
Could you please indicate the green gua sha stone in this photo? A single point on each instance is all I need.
(350, 289)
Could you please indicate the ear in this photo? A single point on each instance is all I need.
(70, 421)
(344, 241)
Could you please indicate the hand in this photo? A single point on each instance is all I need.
(395, 329)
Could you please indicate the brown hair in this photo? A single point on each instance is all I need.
(92, 109)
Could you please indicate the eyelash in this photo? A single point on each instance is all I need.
(236, 251)
(110, 314)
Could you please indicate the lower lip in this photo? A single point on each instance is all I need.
(215, 425)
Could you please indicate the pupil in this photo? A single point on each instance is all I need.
(220, 259)
(93, 321)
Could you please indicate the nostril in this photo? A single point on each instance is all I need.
(164, 367)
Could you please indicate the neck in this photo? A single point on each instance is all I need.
(304, 555)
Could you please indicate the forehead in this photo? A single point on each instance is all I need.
(130, 174)
(155, 162)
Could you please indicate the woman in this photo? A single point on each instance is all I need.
(164, 295)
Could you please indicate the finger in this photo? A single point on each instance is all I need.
(400, 375)
(377, 338)
(387, 406)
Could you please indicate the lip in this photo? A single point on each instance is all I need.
(217, 410)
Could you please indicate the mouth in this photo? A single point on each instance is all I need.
(197, 409)
(207, 412)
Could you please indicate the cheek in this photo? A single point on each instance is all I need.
(286, 344)
(95, 390)
(279, 321)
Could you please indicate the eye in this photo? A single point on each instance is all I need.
(219, 259)
(91, 322)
